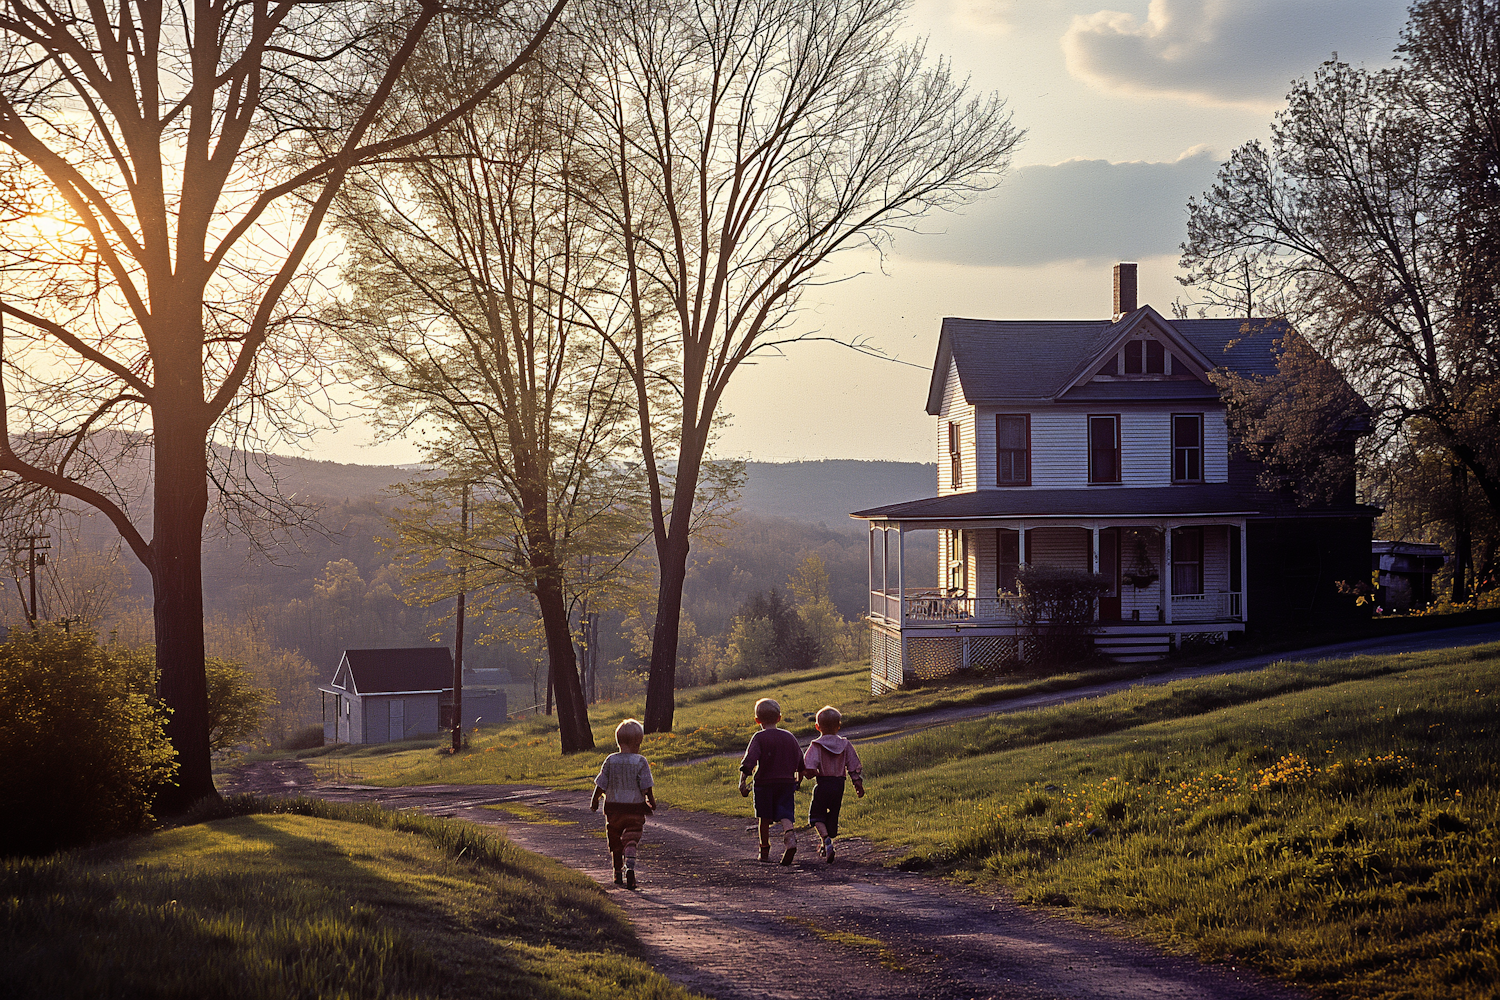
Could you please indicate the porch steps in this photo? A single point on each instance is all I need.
(1134, 648)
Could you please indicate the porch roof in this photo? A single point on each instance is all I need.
(1198, 500)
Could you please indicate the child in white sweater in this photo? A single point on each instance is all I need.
(828, 759)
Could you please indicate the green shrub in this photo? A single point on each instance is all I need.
(83, 748)
(305, 738)
(1057, 611)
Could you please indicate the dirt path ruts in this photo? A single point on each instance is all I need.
(718, 922)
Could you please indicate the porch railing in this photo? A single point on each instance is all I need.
(1205, 607)
(940, 606)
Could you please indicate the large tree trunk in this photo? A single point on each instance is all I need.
(181, 502)
(661, 683)
(572, 711)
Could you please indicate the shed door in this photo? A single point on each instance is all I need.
(398, 719)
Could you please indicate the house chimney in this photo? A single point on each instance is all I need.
(1124, 288)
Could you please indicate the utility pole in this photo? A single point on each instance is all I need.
(458, 638)
(37, 546)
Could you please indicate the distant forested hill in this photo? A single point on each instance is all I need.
(318, 590)
(826, 492)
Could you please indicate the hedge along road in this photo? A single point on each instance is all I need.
(715, 920)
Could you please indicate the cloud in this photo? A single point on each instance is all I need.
(1227, 51)
(1075, 210)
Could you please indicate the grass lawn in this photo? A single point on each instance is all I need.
(320, 900)
(715, 719)
(1336, 823)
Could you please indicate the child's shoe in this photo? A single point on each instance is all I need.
(827, 849)
(619, 876)
(765, 852)
(630, 878)
(789, 854)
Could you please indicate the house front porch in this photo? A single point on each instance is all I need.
(1172, 581)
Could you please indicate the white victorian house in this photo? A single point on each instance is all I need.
(1101, 445)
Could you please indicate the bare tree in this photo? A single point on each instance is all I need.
(168, 171)
(475, 281)
(743, 145)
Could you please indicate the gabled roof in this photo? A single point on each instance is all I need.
(381, 671)
(1029, 361)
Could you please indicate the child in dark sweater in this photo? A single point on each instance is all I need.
(775, 758)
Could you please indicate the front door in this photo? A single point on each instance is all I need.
(1109, 568)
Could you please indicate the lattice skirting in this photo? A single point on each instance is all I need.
(990, 652)
(885, 662)
(1201, 640)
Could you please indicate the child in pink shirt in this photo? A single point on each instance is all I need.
(828, 759)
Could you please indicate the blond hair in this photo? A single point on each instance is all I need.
(630, 733)
(767, 710)
(829, 716)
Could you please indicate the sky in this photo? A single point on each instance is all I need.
(1128, 108)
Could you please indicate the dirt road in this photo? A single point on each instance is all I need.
(717, 921)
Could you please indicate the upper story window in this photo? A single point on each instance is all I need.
(1104, 449)
(955, 457)
(1187, 447)
(1013, 449)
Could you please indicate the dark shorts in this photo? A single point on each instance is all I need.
(776, 801)
(828, 799)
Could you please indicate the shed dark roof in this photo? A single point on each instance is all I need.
(1186, 501)
(1037, 359)
(420, 668)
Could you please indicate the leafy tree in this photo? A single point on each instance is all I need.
(1372, 222)
(810, 589)
(85, 750)
(738, 147)
(237, 708)
(768, 637)
(168, 170)
(476, 287)
(1300, 424)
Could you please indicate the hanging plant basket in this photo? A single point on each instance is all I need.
(1142, 571)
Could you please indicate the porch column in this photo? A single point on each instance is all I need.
(1094, 532)
(901, 575)
(1244, 580)
(885, 571)
(1166, 576)
(870, 572)
(1021, 543)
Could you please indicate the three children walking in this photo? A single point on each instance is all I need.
(778, 764)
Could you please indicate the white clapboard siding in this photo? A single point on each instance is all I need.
(1215, 447)
(1059, 445)
(1216, 559)
(956, 410)
(982, 557)
(1068, 548)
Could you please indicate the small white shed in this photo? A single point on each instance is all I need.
(383, 695)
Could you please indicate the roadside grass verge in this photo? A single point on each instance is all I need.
(296, 898)
(711, 720)
(1335, 824)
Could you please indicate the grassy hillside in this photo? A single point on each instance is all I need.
(340, 901)
(1335, 823)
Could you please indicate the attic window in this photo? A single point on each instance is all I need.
(1145, 357)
